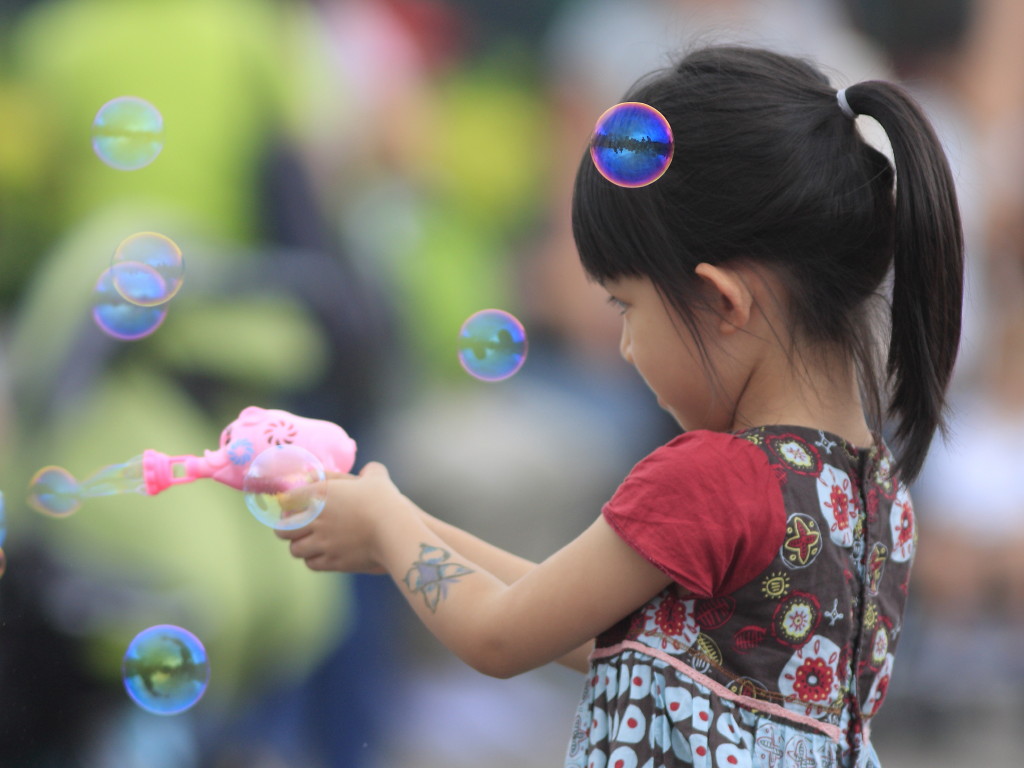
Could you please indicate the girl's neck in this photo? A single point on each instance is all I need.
(814, 395)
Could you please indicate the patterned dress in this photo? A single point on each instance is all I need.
(786, 670)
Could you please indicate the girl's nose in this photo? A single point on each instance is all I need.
(625, 347)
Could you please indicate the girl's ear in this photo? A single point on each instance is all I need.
(728, 295)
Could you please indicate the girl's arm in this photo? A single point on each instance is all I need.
(547, 611)
(504, 565)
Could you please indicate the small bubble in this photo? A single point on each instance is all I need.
(127, 133)
(138, 283)
(54, 491)
(632, 145)
(492, 345)
(285, 487)
(165, 670)
(118, 317)
(147, 269)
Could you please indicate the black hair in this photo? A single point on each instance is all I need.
(769, 170)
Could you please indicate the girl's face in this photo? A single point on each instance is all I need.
(663, 351)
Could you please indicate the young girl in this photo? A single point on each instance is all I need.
(746, 582)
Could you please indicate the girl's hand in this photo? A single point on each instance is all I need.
(345, 535)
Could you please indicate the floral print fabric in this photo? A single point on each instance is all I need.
(786, 670)
(639, 713)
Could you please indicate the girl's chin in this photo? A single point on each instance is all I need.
(673, 414)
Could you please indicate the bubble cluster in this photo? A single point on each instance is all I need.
(147, 269)
(285, 487)
(165, 669)
(127, 133)
(54, 491)
(632, 144)
(119, 318)
(492, 345)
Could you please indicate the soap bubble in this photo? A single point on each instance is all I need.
(165, 670)
(285, 487)
(54, 491)
(147, 269)
(3, 563)
(492, 345)
(127, 133)
(119, 318)
(3, 520)
(138, 283)
(632, 144)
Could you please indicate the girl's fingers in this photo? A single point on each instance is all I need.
(293, 533)
(266, 485)
(304, 549)
(318, 563)
(374, 469)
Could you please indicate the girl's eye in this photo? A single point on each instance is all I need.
(619, 304)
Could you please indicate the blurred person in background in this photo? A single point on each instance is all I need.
(272, 313)
(971, 602)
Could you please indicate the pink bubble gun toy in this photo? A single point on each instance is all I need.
(254, 431)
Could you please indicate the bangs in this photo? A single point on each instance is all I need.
(618, 231)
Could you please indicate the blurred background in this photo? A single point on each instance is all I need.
(349, 180)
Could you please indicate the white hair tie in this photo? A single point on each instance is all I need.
(844, 105)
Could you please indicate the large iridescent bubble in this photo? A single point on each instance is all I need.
(128, 133)
(632, 145)
(147, 269)
(119, 318)
(285, 487)
(165, 670)
(55, 492)
(492, 345)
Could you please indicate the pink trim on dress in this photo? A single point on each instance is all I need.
(832, 731)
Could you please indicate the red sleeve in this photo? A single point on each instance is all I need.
(705, 508)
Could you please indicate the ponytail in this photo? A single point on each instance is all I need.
(928, 268)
